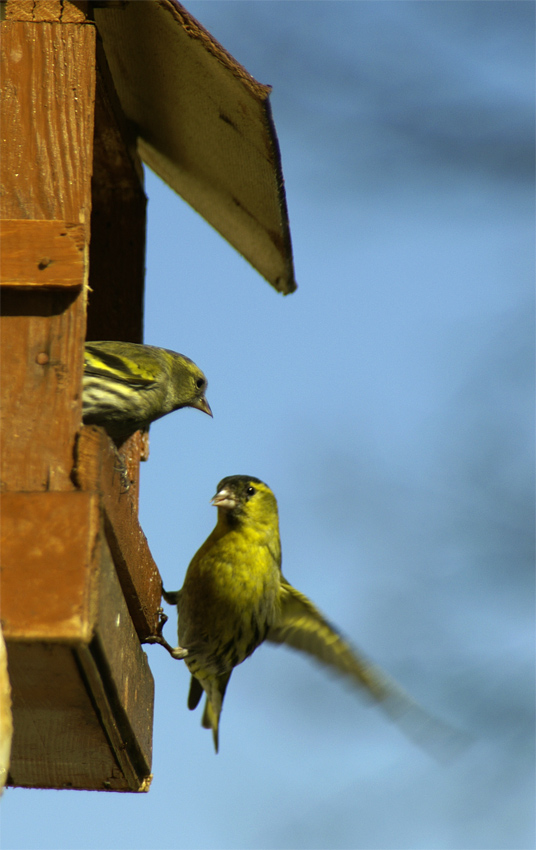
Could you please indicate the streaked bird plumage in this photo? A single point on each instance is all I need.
(234, 597)
(126, 386)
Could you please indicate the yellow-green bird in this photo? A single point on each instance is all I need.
(126, 386)
(235, 597)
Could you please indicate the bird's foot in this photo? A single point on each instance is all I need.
(175, 652)
(179, 653)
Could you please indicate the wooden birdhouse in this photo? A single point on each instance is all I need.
(88, 91)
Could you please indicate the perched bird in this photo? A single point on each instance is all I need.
(235, 597)
(127, 386)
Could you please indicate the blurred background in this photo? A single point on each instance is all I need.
(389, 405)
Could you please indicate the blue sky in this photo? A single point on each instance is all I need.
(389, 405)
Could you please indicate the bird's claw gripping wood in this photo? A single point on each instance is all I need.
(176, 652)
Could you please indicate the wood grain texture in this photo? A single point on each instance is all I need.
(59, 741)
(20, 10)
(98, 469)
(46, 541)
(48, 92)
(50, 11)
(47, 10)
(48, 254)
(119, 669)
(51, 534)
(41, 372)
(82, 689)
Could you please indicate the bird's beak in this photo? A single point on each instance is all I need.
(202, 404)
(224, 499)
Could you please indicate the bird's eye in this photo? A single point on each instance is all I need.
(200, 383)
(250, 491)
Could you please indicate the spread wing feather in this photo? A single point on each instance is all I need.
(302, 626)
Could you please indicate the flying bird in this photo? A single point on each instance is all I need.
(235, 596)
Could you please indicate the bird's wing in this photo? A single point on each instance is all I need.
(195, 693)
(302, 626)
(123, 370)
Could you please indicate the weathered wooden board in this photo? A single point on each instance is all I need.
(48, 94)
(46, 254)
(82, 688)
(98, 469)
(81, 684)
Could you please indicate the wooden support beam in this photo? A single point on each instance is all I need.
(41, 254)
(81, 685)
(79, 585)
(118, 221)
(45, 162)
(99, 470)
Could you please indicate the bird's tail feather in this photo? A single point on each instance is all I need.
(215, 690)
(211, 721)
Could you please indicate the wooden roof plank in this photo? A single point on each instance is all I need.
(204, 125)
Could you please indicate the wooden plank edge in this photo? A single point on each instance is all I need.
(98, 468)
(42, 254)
(99, 683)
